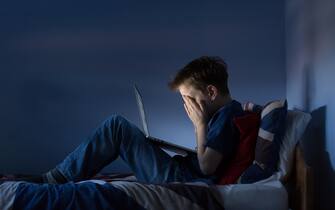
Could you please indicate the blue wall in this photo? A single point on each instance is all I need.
(310, 65)
(65, 66)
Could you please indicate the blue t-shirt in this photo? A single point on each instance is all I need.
(222, 135)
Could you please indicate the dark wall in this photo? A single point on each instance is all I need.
(66, 65)
(310, 67)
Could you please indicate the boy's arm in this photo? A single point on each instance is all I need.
(209, 159)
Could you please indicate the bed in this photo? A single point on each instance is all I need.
(290, 190)
(299, 183)
(124, 192)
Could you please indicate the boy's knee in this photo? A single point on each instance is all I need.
(116, 118)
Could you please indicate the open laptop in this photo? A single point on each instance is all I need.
(162, 143)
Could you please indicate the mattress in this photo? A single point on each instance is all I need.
(127, 193)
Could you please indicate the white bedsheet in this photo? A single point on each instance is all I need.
(269, 195)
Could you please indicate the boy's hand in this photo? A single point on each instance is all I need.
(197, 112)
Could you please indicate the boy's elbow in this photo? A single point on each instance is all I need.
(209, 161)
(207, 169)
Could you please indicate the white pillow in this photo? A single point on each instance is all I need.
(296, 123)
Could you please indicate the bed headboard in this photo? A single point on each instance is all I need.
(299, 183)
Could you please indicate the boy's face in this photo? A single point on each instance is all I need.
(186, 89)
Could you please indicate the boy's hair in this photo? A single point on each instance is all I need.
(203, 71)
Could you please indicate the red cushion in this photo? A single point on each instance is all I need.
(248, 126)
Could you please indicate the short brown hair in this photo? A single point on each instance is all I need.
(203, 71)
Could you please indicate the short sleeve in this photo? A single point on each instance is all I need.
(220, 135)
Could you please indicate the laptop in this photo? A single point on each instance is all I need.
(160, 142)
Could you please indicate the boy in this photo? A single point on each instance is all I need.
(202, 84)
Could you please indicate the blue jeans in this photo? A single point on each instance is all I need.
(115, 137)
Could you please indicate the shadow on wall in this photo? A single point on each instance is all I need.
(318, 158)
(313, 86)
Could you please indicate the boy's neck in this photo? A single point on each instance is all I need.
(222, 101)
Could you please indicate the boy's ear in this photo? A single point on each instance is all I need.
(212, 92)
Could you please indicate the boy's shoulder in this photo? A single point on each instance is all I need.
(227, 112)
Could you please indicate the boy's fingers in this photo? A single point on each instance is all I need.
(186, 101)
(189, 105)
(187, 111)
(183, 97)
(190, 100)
(194, 103)
(202, 106)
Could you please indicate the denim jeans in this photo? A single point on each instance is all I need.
(115, 137)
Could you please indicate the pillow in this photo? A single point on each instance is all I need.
(296, 124)
(248, 126)
(251, 107)
(270, 135)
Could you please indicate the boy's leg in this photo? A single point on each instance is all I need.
(117, 136)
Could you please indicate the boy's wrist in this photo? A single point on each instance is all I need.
(200, 126)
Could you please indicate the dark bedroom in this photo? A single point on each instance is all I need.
(163, 105)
